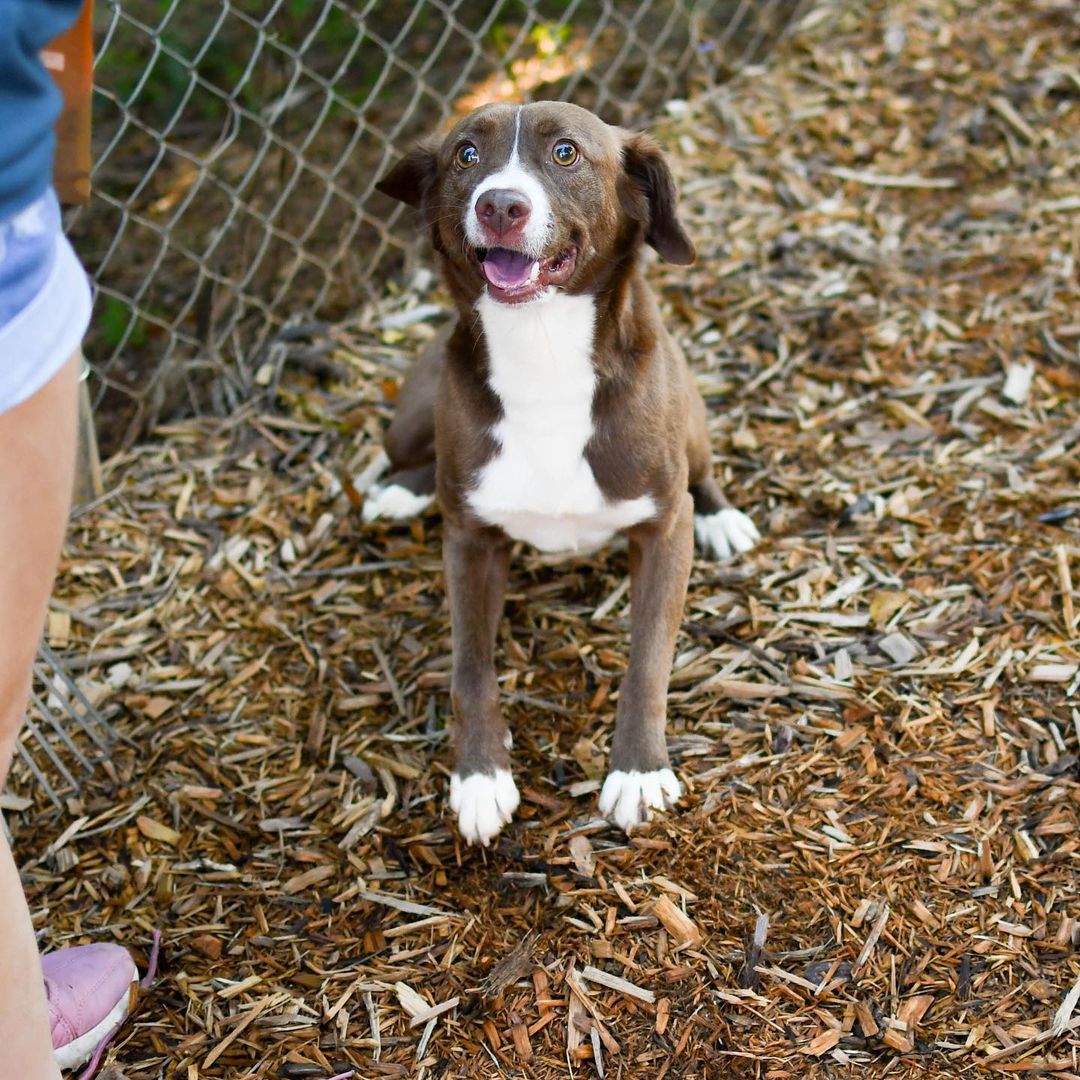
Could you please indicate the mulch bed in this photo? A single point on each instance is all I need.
(875, 713)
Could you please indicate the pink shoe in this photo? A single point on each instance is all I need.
(91, 988)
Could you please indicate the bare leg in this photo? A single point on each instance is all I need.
(640, 776)
(482, 791)
(37, 453)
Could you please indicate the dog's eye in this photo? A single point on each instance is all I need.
(564, 153)
(467, 156)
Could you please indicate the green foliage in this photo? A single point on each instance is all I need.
(547, 38)
(220, 44)
(117, 323)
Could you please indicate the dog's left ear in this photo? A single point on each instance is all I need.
(648, 194)
(412, 179)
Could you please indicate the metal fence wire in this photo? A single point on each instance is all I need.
(237, 144)
(64, 737)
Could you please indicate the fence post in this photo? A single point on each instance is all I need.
(70, 60)
(88, 482)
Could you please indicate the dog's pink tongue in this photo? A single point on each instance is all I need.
(507, 269)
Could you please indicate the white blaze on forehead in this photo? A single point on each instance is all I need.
(516, 177)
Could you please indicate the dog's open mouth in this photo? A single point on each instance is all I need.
(514, 277)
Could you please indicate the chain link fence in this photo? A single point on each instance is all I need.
(237, 144)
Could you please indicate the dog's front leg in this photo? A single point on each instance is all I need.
(482, 791)
(640, 777)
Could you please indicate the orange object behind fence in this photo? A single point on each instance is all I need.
(70, 60)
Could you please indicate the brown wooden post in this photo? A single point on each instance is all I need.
(70, 59)
(88, 483)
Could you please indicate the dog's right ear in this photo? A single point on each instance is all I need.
(412, 179)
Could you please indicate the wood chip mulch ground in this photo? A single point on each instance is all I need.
(875, 868)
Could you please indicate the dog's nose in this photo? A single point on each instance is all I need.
(503, 210)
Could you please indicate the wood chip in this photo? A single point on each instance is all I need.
(1018, 383)
(242, 1024)
(433, 1012)
(582, 853)
(411, 1001)
(677, 922)
(872, 937)
(871, 179)
(899, 648)
(614, 982)
(866, 1020)
(576, 1016)
(399, 904)
(155, 830)
(823, 1042)
(519, 1036)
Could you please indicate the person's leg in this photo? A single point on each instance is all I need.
(37, 454)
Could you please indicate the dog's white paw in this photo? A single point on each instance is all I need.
(483, 804)
(394, 502)
(628, 798)
(725, 533)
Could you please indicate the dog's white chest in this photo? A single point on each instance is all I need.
(538, 487)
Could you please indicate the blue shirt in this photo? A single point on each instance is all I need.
(29, 99)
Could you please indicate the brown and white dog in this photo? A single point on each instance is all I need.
(556, 410)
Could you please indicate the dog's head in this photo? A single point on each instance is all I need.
(522, 200)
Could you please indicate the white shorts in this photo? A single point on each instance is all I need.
(44, 300)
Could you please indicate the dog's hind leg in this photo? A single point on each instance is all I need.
(410, 440)
(721, 530)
